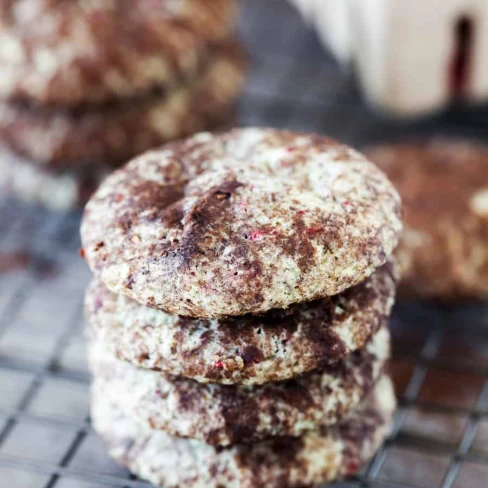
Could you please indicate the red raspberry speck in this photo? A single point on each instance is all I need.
(314, 230)
(219, 364)
(301, 212)
(256, 235)
(98, 304)
(352, 468)
(242, 206)
(118, 197)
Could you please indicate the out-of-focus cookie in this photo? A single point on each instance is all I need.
(111, 134)
(63, 191)
(241, 222)
(275, 346)
(312, 460)
(77, 52)
(225, 415)
(443, 253)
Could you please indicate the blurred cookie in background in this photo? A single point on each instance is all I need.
(86, 136)
(79, 52)
(88, 85)
(56, 190)
(443, 253)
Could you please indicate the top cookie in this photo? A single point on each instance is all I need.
(241, 222)
(74, 52)
(443, 253)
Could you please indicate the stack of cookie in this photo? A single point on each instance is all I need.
(238, 316)
(87, 85)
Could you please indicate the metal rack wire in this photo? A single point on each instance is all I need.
(440, 438)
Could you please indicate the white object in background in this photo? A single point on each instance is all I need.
(413, 56)
(331, 18)
(305, 7)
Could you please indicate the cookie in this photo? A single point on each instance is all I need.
(248, 350)
(65, 191)
(224, 415)
(78, 52)
(312, 460)
(89, 135)
(443, 253)
(241, 222)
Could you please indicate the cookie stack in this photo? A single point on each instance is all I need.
(238, 315)
(87, 85)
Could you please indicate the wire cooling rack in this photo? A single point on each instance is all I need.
(440, 439)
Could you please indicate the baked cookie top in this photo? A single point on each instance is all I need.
(224, 415)
(252, 349)
(443, 253)
(241, 222)
(314, 459)
(73, 52)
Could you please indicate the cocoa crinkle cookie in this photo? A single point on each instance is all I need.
(238, 315)
(443, 252)
(87, 85)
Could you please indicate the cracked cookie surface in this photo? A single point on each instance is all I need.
(241, 222)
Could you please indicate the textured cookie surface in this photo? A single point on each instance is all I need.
(241, 222)
(74, 52)
(443, 253)
(311, 460)
(223, 415)
(248, 350)
(114, 133)
(64, 191)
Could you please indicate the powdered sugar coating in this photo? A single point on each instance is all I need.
(73, 52)
(241, 222)
(250, 350)
(312, 460)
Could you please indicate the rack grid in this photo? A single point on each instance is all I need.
(440, 366)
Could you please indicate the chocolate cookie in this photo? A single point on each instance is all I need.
(224, 415)
(111, 134)
(69, 190)
(312, 460)
(241, 222)
(76, 52)
(275, 346)
(443, 253)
